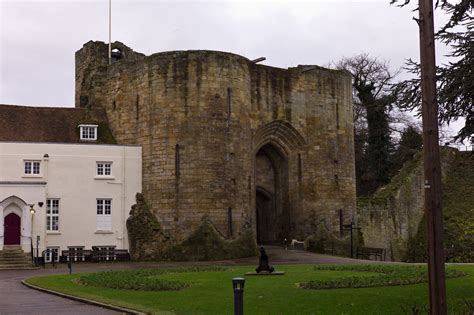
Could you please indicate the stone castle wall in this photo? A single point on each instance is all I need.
(390, 221)
(393, 218)
(201, 117)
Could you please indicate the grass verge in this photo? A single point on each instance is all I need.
(210, 292)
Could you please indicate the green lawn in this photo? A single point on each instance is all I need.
(210, 292)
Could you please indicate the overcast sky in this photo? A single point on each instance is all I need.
(38, 39)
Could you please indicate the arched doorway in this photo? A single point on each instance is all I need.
(12, 232)
(12, 214)
(265, 215)
(272, 206)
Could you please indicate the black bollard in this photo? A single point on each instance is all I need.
(69, 265)
(238, 285)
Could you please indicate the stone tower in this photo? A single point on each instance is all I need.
(247, 145)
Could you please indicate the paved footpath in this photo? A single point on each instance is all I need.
(16, 298)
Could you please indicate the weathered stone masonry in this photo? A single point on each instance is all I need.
(205, 119)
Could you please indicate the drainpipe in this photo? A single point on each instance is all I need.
(122, 218)
(120, 235)
(46, 178)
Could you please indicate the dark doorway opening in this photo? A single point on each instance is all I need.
(272, 203)
(265, 216)
(12, 226)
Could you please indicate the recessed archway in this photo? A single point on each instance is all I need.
(271, 194)
(276, 148)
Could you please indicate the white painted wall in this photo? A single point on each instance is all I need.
(69, 174)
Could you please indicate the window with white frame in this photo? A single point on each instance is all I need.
(50, 253)
(88, 132)
(104, 169)
(52, 215)
(104, 215)
(32, 167)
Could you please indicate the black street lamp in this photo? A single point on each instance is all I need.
(347, 227)
(33, 211)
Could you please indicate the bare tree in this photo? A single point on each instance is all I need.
(372, 82)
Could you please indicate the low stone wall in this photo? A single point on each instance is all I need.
(390, 217)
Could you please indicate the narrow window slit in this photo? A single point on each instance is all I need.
(229, 221)
(137, 108)
(300, 166)
(177, 161)
(177, 175)
(229, 102)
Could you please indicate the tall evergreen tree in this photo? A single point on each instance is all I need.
(456, 78)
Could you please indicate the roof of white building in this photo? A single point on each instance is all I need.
(49, 124)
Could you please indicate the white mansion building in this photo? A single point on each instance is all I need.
(62, 186)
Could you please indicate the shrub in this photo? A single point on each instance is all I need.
(141, 279)
(388, 275)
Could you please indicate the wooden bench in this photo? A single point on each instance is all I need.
(122, 254)
(295, 244)
(450, 255)
(109, 253)
(98, 253)
(76, 254)
(367, 252)
(103, 253)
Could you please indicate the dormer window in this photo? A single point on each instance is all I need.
(88, 132)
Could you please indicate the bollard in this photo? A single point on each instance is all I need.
(69, 265)
(238, 285)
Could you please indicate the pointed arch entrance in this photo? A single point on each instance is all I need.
(275, 144)
(272, 211)
(12, 212)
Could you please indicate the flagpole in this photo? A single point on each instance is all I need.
(110, 32)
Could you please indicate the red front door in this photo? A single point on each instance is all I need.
(12, 226)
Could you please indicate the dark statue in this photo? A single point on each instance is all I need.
(263, 265)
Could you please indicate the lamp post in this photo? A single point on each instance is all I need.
(33, 211)
(347, 227)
